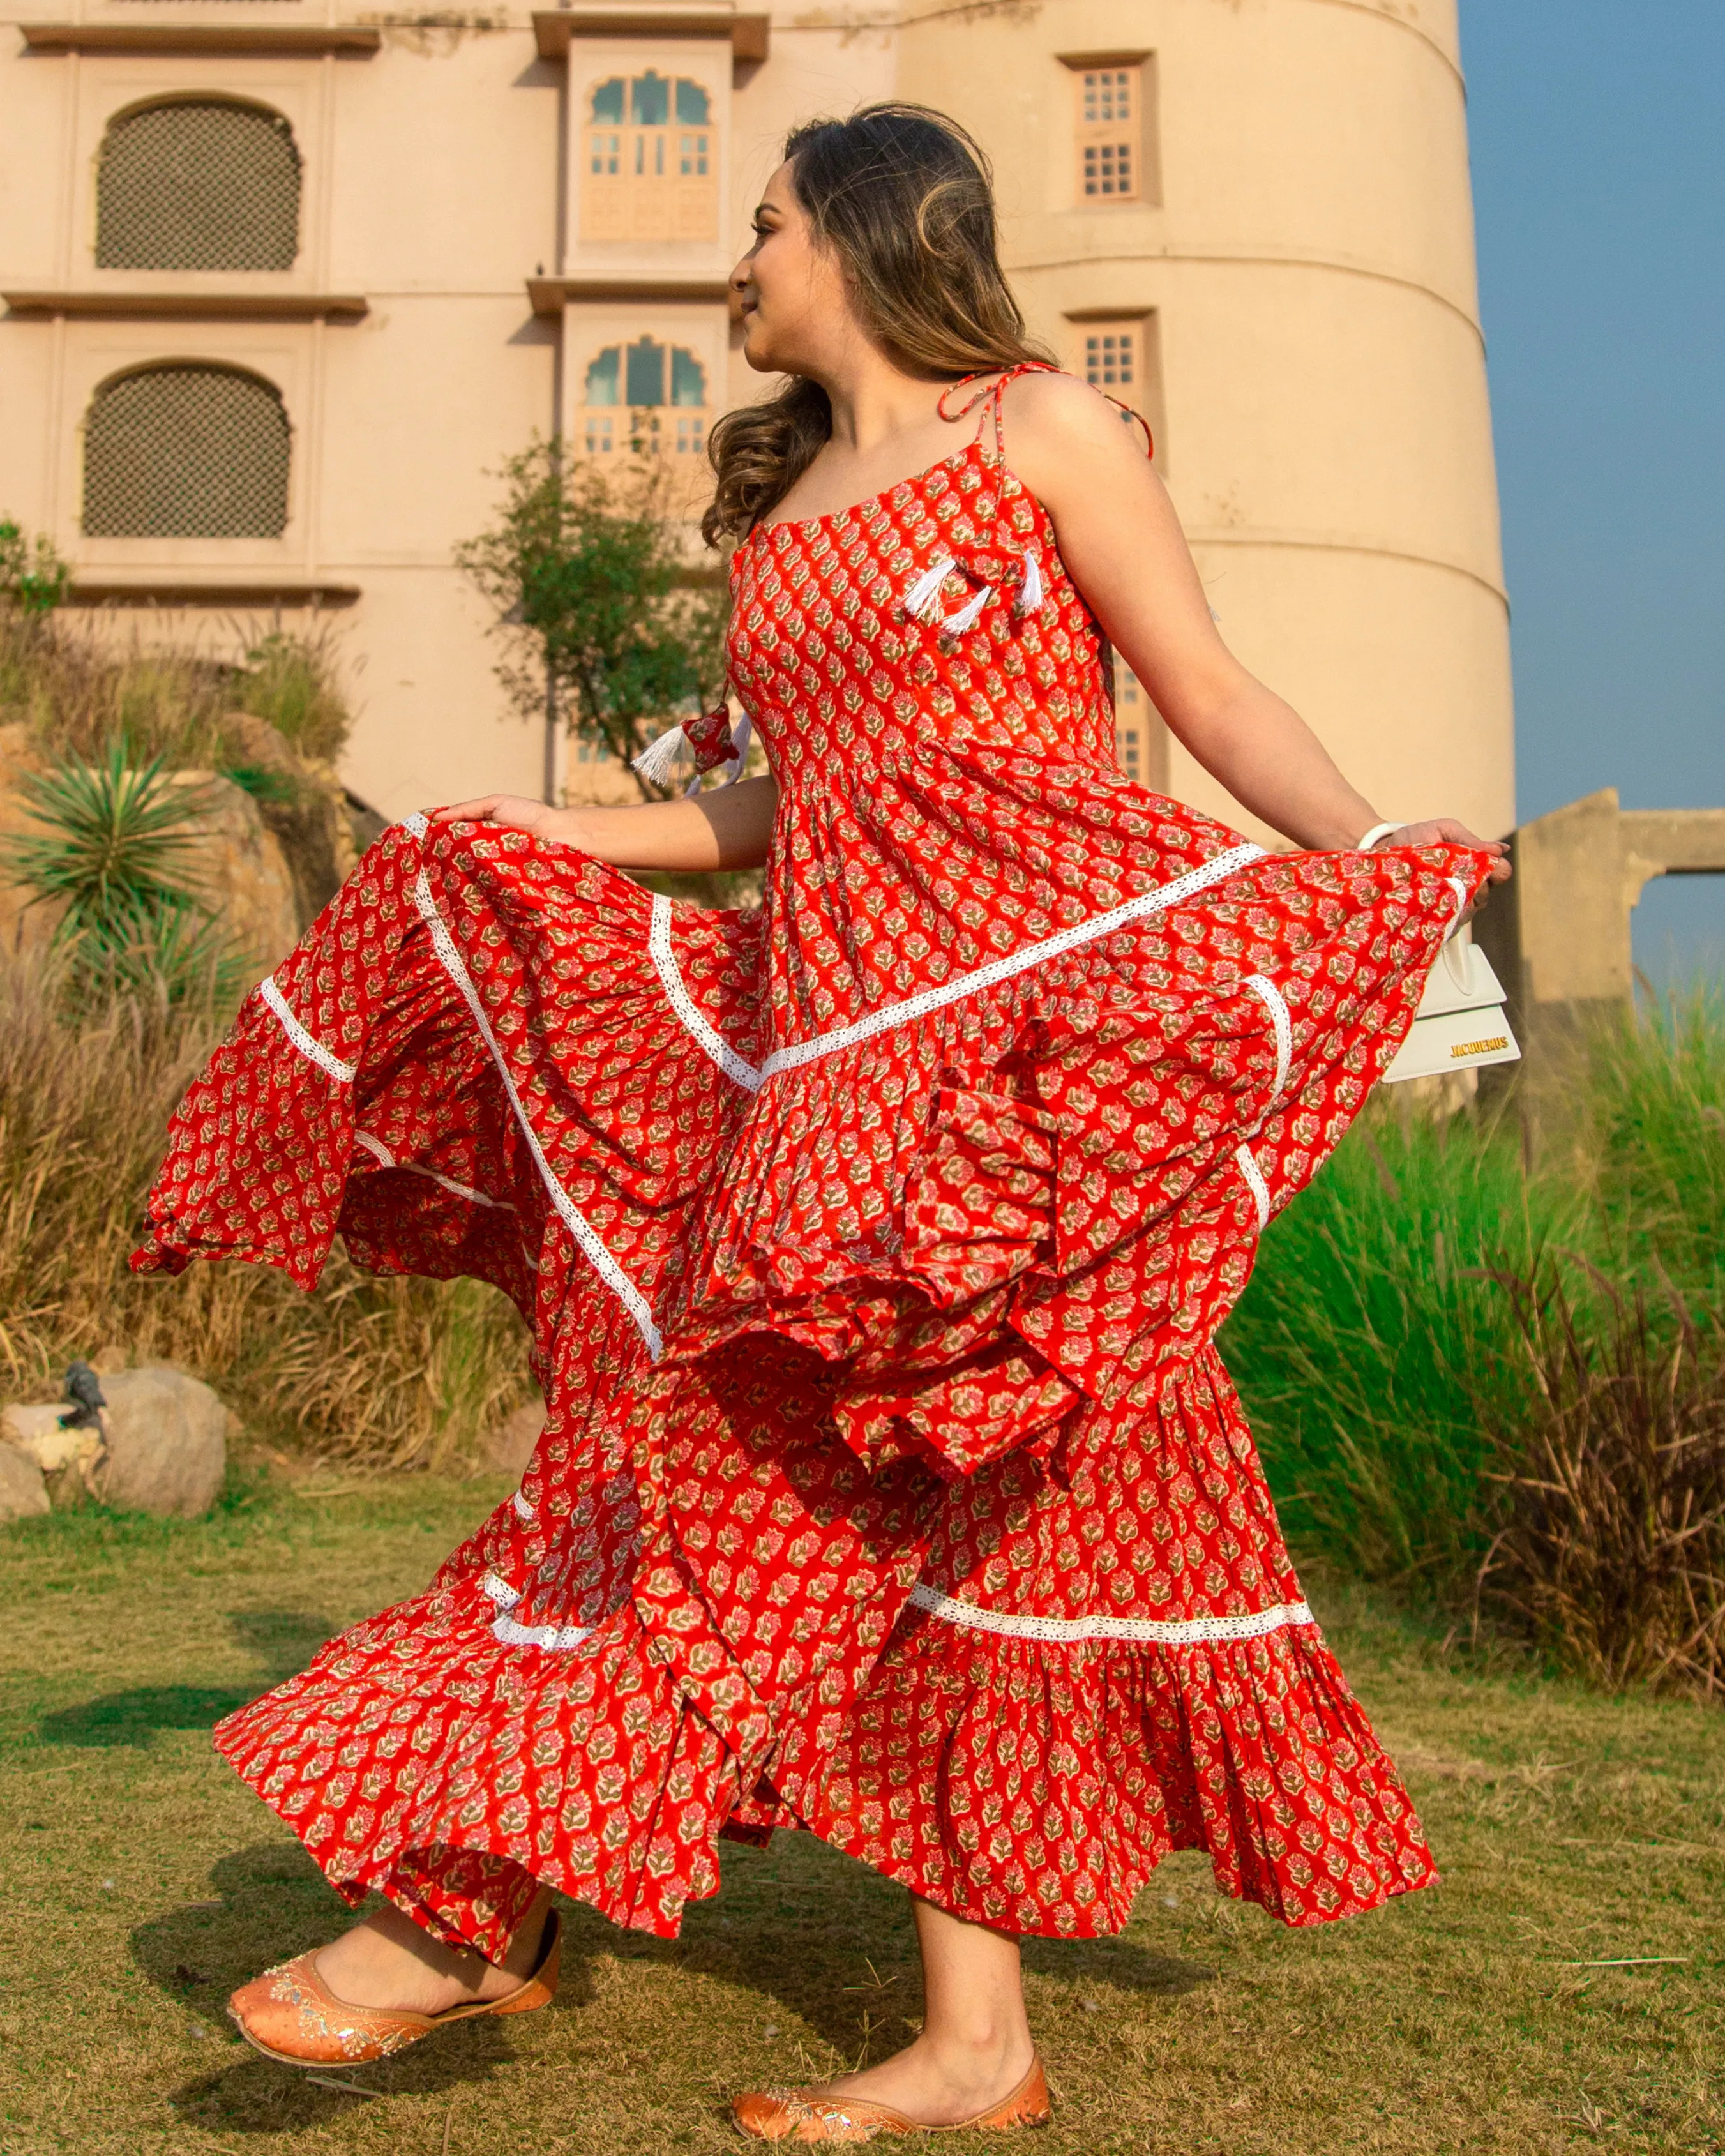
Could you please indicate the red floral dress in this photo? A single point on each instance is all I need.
(874, 1246)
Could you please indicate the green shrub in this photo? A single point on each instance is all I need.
(289, 682)
(34, 579)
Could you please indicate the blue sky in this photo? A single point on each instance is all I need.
(1598, 132)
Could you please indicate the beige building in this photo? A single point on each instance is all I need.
(285, 283)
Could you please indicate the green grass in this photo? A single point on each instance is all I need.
(1374, 1351)
(143, 1882)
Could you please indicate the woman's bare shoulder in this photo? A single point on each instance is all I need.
(1059, 407)
(1060, 434)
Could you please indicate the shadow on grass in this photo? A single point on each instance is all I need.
(284, 1641)
(133, 1717)
(820, 1935)
(271, 1902)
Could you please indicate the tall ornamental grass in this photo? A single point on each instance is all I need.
(1509, 1383)
(1374, 1349)
(387, 1372)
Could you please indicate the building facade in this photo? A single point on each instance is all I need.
(286, 283)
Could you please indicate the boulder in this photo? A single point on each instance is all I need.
(236, 865)
(167, 1449)
(509, 1446)
(36, 1432)
(23, 1491)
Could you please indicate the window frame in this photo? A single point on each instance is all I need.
(1144, 323)
(1140, 133)
(673, 426)
(123, 115)
(112, 380)
(646, 198)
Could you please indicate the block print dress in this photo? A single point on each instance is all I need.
(874, 1243)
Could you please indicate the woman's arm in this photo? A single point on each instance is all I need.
(729, 828)
(1122, 546)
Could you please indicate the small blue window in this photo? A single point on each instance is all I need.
(602, 377)
(693, 110)
(646, 373)
(608, 100)
(650, 95)
(688, 379)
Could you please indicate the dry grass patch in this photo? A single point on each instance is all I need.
(1559, 1992)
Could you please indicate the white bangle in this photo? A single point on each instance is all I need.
(1377, 831)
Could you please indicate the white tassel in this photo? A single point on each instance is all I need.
(1031, 594)
(955, 624)
(922, 600)
(739, 734)
(659, 759)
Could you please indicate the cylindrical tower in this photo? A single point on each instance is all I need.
(1260, 211)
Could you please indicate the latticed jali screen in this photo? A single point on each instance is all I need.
(199, 183)
(186, 452)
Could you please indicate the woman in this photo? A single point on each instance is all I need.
(874, 1244)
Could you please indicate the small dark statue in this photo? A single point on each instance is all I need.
(83, 1388)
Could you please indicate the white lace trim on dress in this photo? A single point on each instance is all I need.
(597, 1257)
(1270, 996)
(1155, 1631)
(381, 1153)
(1256, 1184)
(557, 1639)
(671, 976)
(310, 1048)
(1018, 961)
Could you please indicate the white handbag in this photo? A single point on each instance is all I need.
(1461, 1023)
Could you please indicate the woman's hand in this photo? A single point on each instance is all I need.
(509, 812)
(728, 827)
(1445, 831)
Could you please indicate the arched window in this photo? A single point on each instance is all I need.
(186, 450)
(198, 184)
(627, 388)
(652, 161)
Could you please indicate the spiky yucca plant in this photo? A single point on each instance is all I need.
(114, 856)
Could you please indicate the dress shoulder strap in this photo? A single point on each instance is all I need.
(990, 400)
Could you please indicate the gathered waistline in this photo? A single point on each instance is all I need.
(753, 1077)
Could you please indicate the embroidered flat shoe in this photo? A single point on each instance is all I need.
(789, 2114)
(289, 2013)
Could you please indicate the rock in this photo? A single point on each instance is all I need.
(36, 1432)
(166, 1435)
(509, 1446)
(237, 867)
(23, 1491)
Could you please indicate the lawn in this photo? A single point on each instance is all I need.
(1560, 1991)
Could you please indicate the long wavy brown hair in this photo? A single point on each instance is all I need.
(905, 200)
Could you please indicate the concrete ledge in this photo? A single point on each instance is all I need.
(275, 39)
(194, 307)
(549, 295)
(177, 591)
(747, 35)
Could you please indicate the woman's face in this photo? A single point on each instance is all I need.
(796, 314)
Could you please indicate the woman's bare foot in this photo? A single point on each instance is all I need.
(937, 2084)
(389, 1962)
